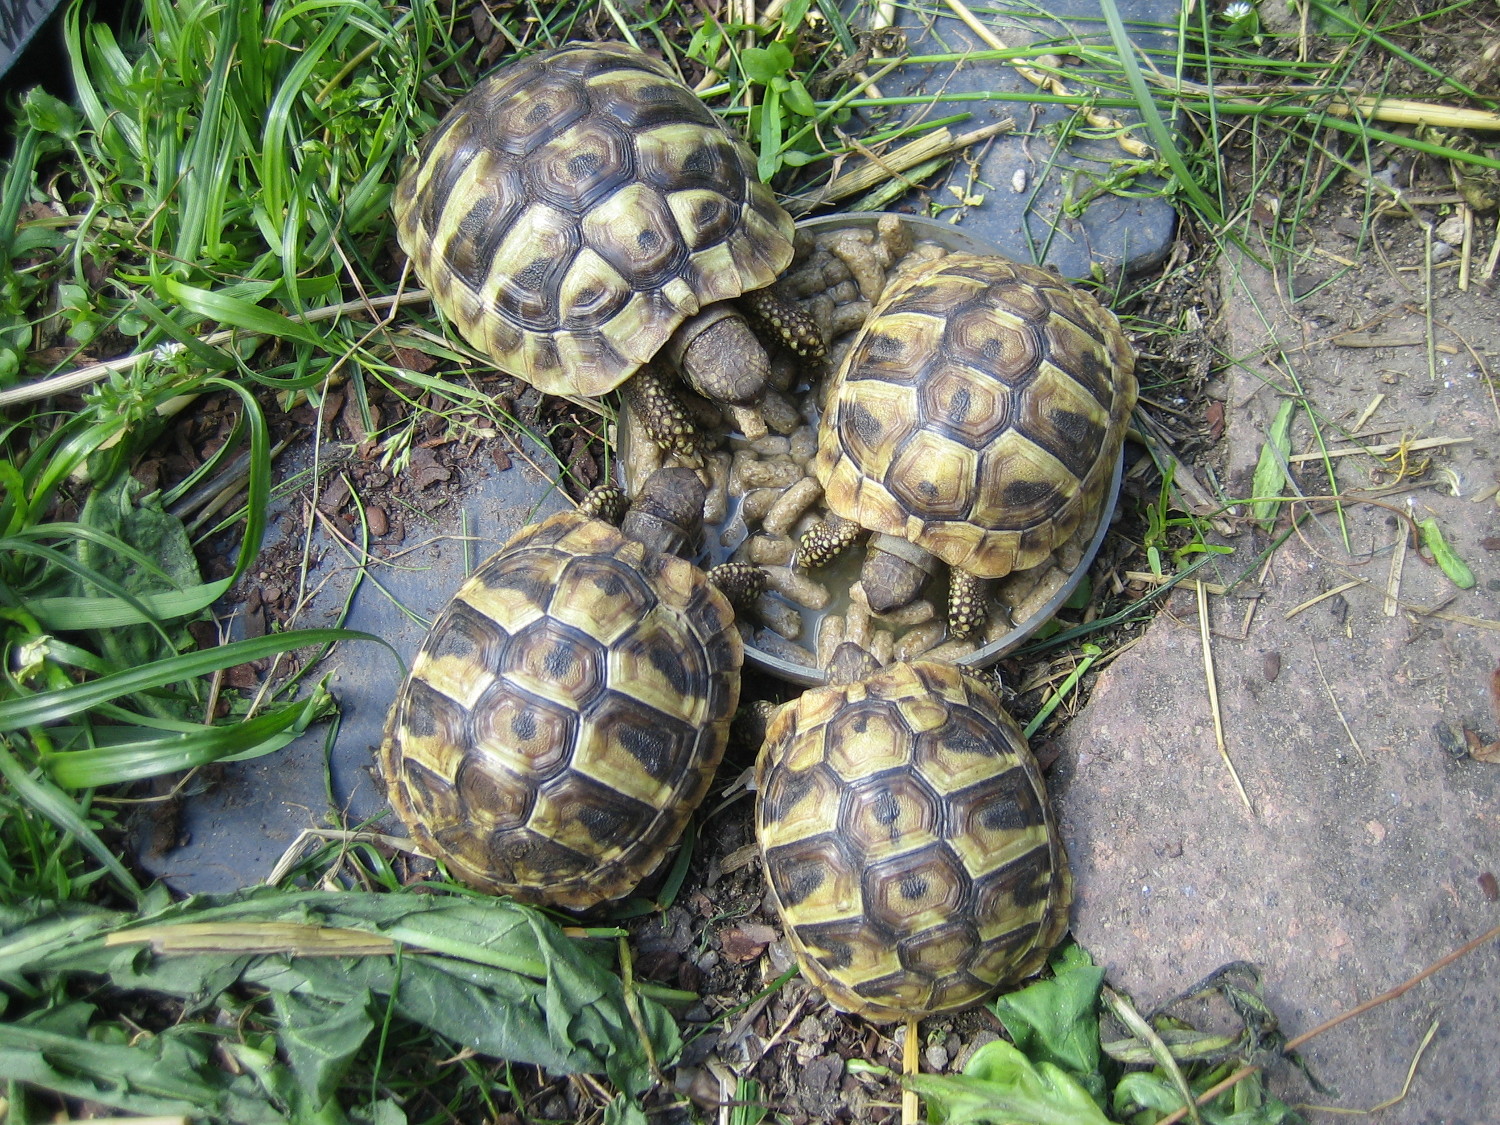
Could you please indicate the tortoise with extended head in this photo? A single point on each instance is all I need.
(569, 706)
(907, 839)
(975, 420)
(580, 212)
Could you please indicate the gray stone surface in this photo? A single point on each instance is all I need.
(1363, 859)
(241, 816)
(1034, 218)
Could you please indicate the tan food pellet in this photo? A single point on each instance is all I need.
(716, 503)
(784, 619)
(770, 550)
(1070, 555)
(1050, 584)
(844, 292)
(771, 445)
(830, 636)
(780, 413)
(757, 502)
(951, 651)
(773, 645)
(917, 640)
(777, 473)
(857, 625)
(895, 236)
(798, 587)
(849, 317)
(857, 251)
(882, 646)
(804, 444)
(805, 281)
(793, 502)
(749, 420)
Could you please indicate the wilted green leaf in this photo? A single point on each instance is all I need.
(1270, 471)
(1000, 1086)
(489, 974)
(1455, 568)
(1057, 1020)
(319, 1037)
(1243, 1105)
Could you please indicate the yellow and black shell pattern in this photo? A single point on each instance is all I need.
(576, 206)
(565, 715)
(908, 842)
(978, 413)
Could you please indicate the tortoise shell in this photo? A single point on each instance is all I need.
(908, 842)
(576, 206)
(565, 715)
(978, 413)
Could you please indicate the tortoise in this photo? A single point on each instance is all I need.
(580, 212)
(570, 704)
(907, 839)
(976, 421)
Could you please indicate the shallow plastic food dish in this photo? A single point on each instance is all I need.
(723, 538)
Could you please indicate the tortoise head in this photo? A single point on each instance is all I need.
(668, 512)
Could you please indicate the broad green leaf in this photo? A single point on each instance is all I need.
(798, 100)
(763, 64)
(50, 114)
(1000, 1086)
(492, 975)
(1057, 1020)
(1455, 568)
(172, 1074)
(1270, 472)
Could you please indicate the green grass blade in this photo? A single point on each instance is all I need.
(235, 312)
(133, 761)
(54, 706)
(62, 811)
(1161, 134)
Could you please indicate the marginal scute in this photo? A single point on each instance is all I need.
(907, 842)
